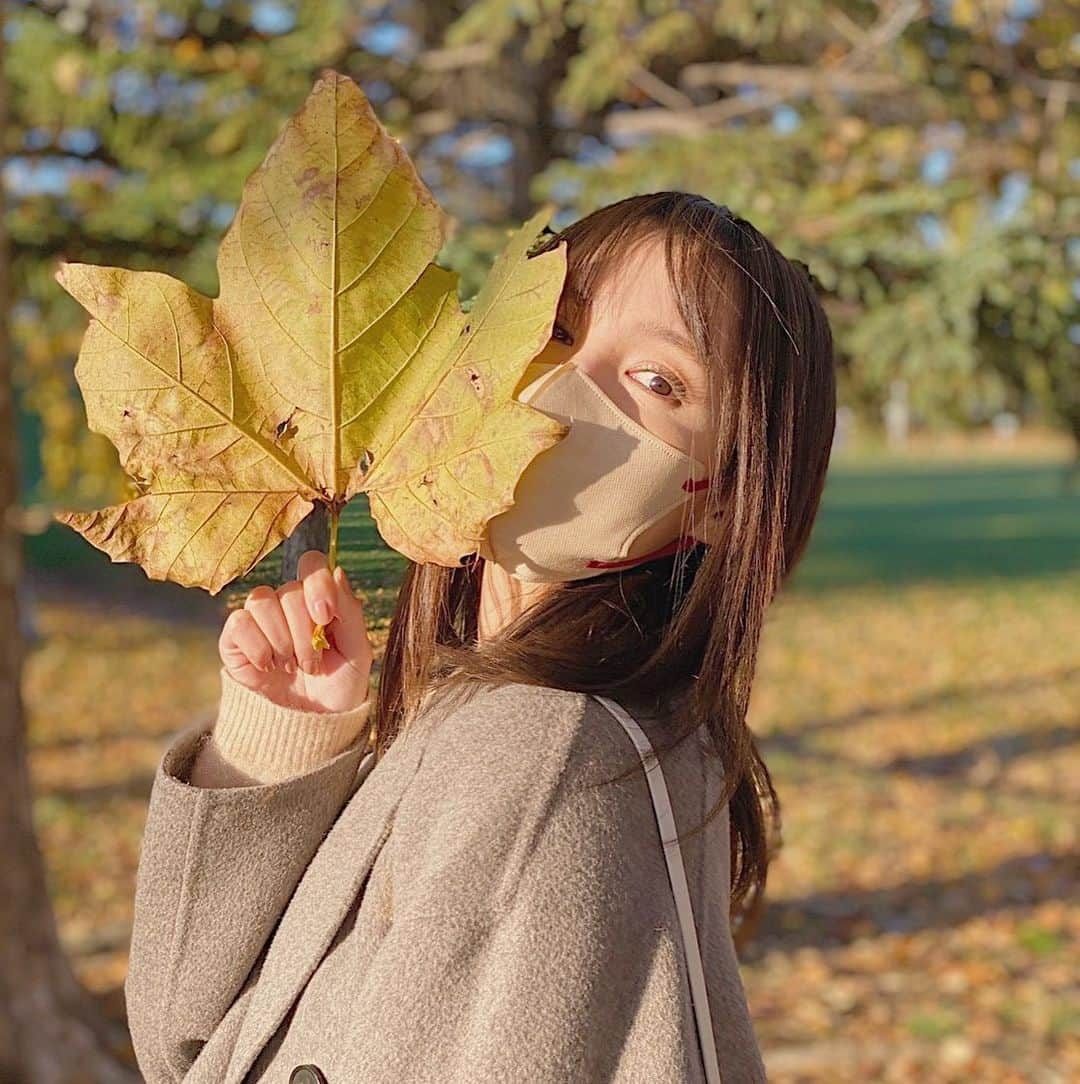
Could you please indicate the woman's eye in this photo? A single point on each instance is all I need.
(667, 380)
(558, 329)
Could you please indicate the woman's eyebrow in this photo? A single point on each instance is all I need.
(575, 302)
(668, 334)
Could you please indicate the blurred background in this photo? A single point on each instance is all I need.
(919, 682)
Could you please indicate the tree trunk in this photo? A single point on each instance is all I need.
(312, 533)
(51, 1032)
(537, 141)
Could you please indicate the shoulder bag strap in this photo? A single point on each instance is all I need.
(665, 818)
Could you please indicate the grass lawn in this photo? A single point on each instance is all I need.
(916, 702)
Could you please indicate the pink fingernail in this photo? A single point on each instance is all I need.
(322, 612)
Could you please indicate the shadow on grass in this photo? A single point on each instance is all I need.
(959, 766)
(958, 693)
(941, 522)
(828, 919)
(134, 786)
(61, 565)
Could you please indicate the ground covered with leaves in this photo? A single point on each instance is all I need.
(916, 703)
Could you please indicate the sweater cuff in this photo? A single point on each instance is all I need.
(269, 741)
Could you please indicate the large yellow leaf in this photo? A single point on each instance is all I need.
(335, 360)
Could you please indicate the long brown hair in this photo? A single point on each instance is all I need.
(679, 633)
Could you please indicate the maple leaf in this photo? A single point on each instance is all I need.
(335, 360)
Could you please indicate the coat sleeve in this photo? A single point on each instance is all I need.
(531, 917)
(217, 866)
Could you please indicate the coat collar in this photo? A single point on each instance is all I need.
(322, 898)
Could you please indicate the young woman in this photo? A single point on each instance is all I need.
(462, 879)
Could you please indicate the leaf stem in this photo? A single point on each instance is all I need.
(332, 556)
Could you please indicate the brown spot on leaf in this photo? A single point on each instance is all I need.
(285, 430)
(313, 184)
(314, 191)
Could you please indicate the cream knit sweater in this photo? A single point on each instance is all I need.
(255, 740)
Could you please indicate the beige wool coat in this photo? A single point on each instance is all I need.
(467, 911)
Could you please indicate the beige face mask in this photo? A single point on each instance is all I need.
(609, 494)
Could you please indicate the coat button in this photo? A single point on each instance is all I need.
(307, 1074)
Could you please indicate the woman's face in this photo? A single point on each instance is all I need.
(638, 350)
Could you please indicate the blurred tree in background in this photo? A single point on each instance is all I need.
(921, 157)
(919, 161)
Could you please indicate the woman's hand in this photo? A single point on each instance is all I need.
(267, 644)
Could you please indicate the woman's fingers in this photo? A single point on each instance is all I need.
(264, 605)
(274, 628)
(301, 626)
(350, 630)
(320, 592)
(243, 643)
